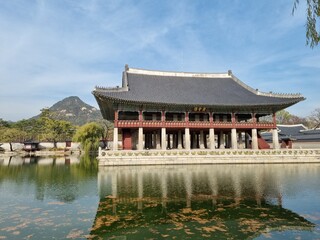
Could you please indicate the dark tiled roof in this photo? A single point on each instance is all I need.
(291, 130)
(311, 131)
(142, 86)
(296, 132)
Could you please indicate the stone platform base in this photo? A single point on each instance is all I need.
(173, 157)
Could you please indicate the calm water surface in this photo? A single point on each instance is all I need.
(59, 198)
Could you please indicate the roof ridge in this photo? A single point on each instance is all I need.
(292, 125)
(228, 74)
(110, 89)
(175, 73)
(265, 94)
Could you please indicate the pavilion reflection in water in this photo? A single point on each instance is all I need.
(215, 201)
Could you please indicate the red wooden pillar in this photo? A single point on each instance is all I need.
(163, 131)
(254, 120)
(274, 119)
(233, 119)
(163, 118)
(187, 119)
(211, 119)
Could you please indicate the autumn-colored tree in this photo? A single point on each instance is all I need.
(315, 118)
(284, 117)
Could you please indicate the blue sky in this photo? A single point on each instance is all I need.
(52, 49)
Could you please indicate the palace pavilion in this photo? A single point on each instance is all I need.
(182, 110)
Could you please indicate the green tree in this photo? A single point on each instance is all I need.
(52, 129)
(89, 136)
(29, 126)
(108, 128)
(313, 21)
(4, 123)
(283, 117)
(11, 135)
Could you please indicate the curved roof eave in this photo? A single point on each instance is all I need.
(277, 106)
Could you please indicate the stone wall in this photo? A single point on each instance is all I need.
(113, 158)
(42, 145)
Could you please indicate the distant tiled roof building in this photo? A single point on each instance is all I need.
(156, 109)
(300, 135)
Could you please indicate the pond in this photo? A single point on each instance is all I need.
(70, 198)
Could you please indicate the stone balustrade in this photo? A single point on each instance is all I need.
(192, 124)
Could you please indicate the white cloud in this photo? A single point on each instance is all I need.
(54, 49)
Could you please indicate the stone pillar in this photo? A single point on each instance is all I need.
(135, 139)
(212, 140)
(254, 139)
(163, 139)
(275, 139)
(194, 140)
(246, 144)
(140, 139)
(234, 143)
(115, 139)
(154, 139)
(205, 140)
(158, 144)
(150, 140)
(187, 138)
(240, 140)
(174, 140)
(169, 141)
(145, 140)
(201, 142)
(179, 139)
(221, 140)
(229, 140)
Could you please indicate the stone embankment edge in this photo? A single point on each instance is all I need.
(40, 153)
(129, 158)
